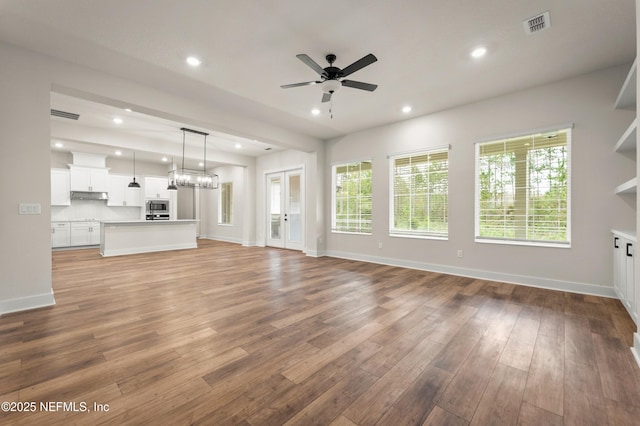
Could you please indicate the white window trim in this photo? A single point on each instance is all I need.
(415, 235)
(334, 165)
(220, 223)
(549, 244)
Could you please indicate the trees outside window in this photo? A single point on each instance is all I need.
(523, 189)
(420, 194)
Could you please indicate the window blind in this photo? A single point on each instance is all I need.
(420, 194)
(352, 197)
(523, 188)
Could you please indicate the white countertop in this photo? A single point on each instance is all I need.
(147, 222)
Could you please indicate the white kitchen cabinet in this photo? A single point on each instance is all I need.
(120, 194)
(85, 233)
(156, 188)
(60, 188)
(60, 234)
(624, 271)
(89, 179)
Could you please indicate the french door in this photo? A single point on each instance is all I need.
(285, 209)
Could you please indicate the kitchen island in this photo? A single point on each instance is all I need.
(142, 236)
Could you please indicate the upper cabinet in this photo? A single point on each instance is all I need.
(156, 188)
(627, 142)
(89, 179)
(60, 195)
(120, 194)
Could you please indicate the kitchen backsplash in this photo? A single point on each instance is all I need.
(98, 210)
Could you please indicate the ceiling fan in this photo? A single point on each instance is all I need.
(331, 78)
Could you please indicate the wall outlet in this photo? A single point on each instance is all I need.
(459, 253)
(379, 245)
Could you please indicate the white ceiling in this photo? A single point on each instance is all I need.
(249, 47)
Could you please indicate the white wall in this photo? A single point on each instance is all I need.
(209, 201)
(25, 242)
(26, 81)
(587, 101)
(313, 164)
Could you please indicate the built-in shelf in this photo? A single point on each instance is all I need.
(627, 96)
(629, 187)
(627, 142)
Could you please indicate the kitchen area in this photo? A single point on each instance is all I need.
(96, 203)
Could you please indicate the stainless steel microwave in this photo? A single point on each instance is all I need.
(157, 206)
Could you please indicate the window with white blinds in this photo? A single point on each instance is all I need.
(225, 206)
(420, 194)
(351, 198)
(523, 189)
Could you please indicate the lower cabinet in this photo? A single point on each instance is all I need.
(60, 234)
(624, 259)
(85, 233)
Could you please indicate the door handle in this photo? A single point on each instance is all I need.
(628, 246)
(615, 242)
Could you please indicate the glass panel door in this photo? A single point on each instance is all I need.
(293, 210)
(285, 209)
(274, 210)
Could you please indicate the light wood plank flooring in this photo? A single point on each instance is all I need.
(225, 334)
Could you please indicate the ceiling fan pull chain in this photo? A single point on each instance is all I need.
(331, 109)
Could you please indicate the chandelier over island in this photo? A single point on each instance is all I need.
(192, 178)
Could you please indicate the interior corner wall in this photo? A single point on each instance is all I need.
(25, 242)
(587, 102)
(210, 199)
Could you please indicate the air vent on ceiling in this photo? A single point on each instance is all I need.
(537, 23)
(64, 114)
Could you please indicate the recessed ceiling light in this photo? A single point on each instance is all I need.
(118, 152)
(238, 146)
(315, 111)
(201, 164)
(193, 61)
(165, 159)
(128, 109)
(117, 120)
(59, 145)
(406, 109)
(479, 52)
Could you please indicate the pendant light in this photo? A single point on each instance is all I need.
(191, 178)
(133, 183)
(172, 182)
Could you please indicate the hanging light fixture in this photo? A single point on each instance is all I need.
(191, 178)
(133, 183)
(172, 182)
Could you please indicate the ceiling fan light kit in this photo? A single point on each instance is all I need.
(331, 78)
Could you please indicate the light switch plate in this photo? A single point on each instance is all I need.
(30, 208)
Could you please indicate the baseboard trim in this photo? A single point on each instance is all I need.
(568, 286)
(27, 303)
(223, 239)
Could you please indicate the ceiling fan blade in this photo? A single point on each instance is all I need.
(326, 97)
(359, 85)
(359, 64)
(312, 64)
(306, 83)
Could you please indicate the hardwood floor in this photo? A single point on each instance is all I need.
(226, 334)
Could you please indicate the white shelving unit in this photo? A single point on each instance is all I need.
(627, 96)
(629, 187)
(627, 143)
(625, 279)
